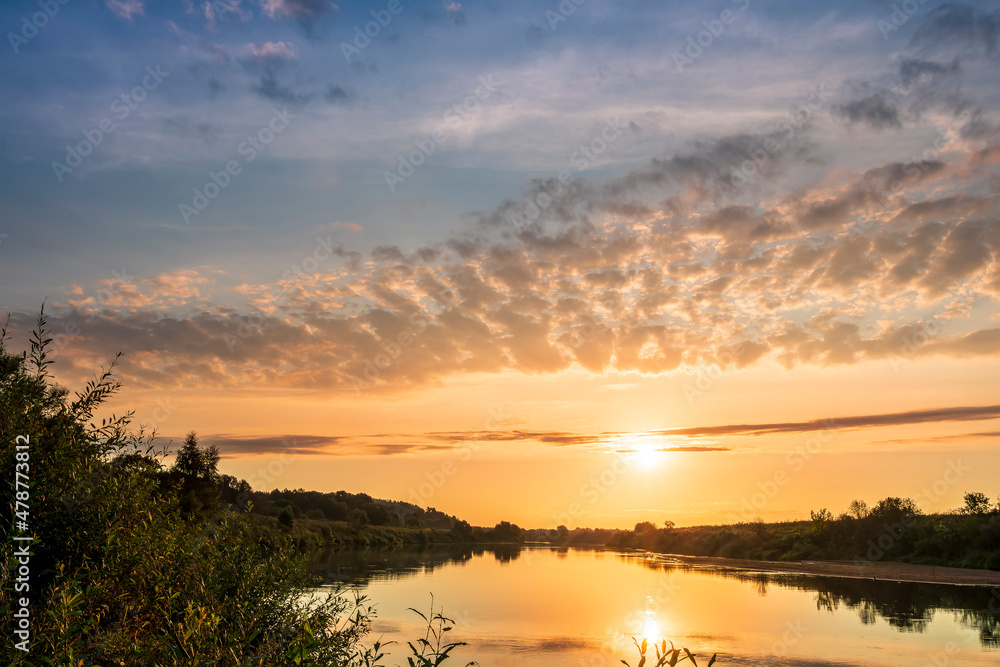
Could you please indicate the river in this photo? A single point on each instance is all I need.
(582, 607)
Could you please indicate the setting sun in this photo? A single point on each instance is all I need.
(647, 456)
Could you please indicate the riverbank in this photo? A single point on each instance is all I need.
(894, 530)
(903, 572)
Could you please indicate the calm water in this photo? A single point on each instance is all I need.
(575, 607)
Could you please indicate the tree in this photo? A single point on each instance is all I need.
(195, 472)
(858, 509)
(894, 509)
(976, 503)
(357, 517)
(506, 532)
(644, 527)
(821, 516)
(462, 530)
(285, 518)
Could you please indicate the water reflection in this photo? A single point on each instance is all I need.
(906, 607)
(362, 567)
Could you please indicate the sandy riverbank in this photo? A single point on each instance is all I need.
(863, 570)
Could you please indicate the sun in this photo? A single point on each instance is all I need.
(651, 630)
(647, 456)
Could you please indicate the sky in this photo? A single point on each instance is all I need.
(587, 262)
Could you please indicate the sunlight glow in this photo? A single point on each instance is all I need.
(651, 630)
(646, 456)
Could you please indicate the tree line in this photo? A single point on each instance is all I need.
(894, 529)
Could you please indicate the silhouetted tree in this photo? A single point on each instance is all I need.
(976, 503)
(195, 472)
(858, 509)
(821, 516)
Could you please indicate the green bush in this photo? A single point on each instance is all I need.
(118, 575)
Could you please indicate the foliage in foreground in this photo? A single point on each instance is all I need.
(120, 573)
(664, 657)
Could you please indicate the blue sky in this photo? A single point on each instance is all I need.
(604, 60)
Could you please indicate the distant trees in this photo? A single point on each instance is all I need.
(976, 503)
(893, 529)
(894, 509)
(462, 530)
(358, 517)
(821, 516)
(506, 532)
(196, 475)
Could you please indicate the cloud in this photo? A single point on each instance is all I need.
(271, 89)
(937, 415)
(270, 51)
(657, 269)
(694, 449)
(126, 9)
(927, 80)
(393, 444)
(234, 445)
(306, 12)
(270, 59)
(661, 297)
(216, 10)
(873, 110)
(387, 444)
(455, 12)
(938, 438)
(961, 28)
(336, 95)
(557, 438)
(313, 445)
(184, 125)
